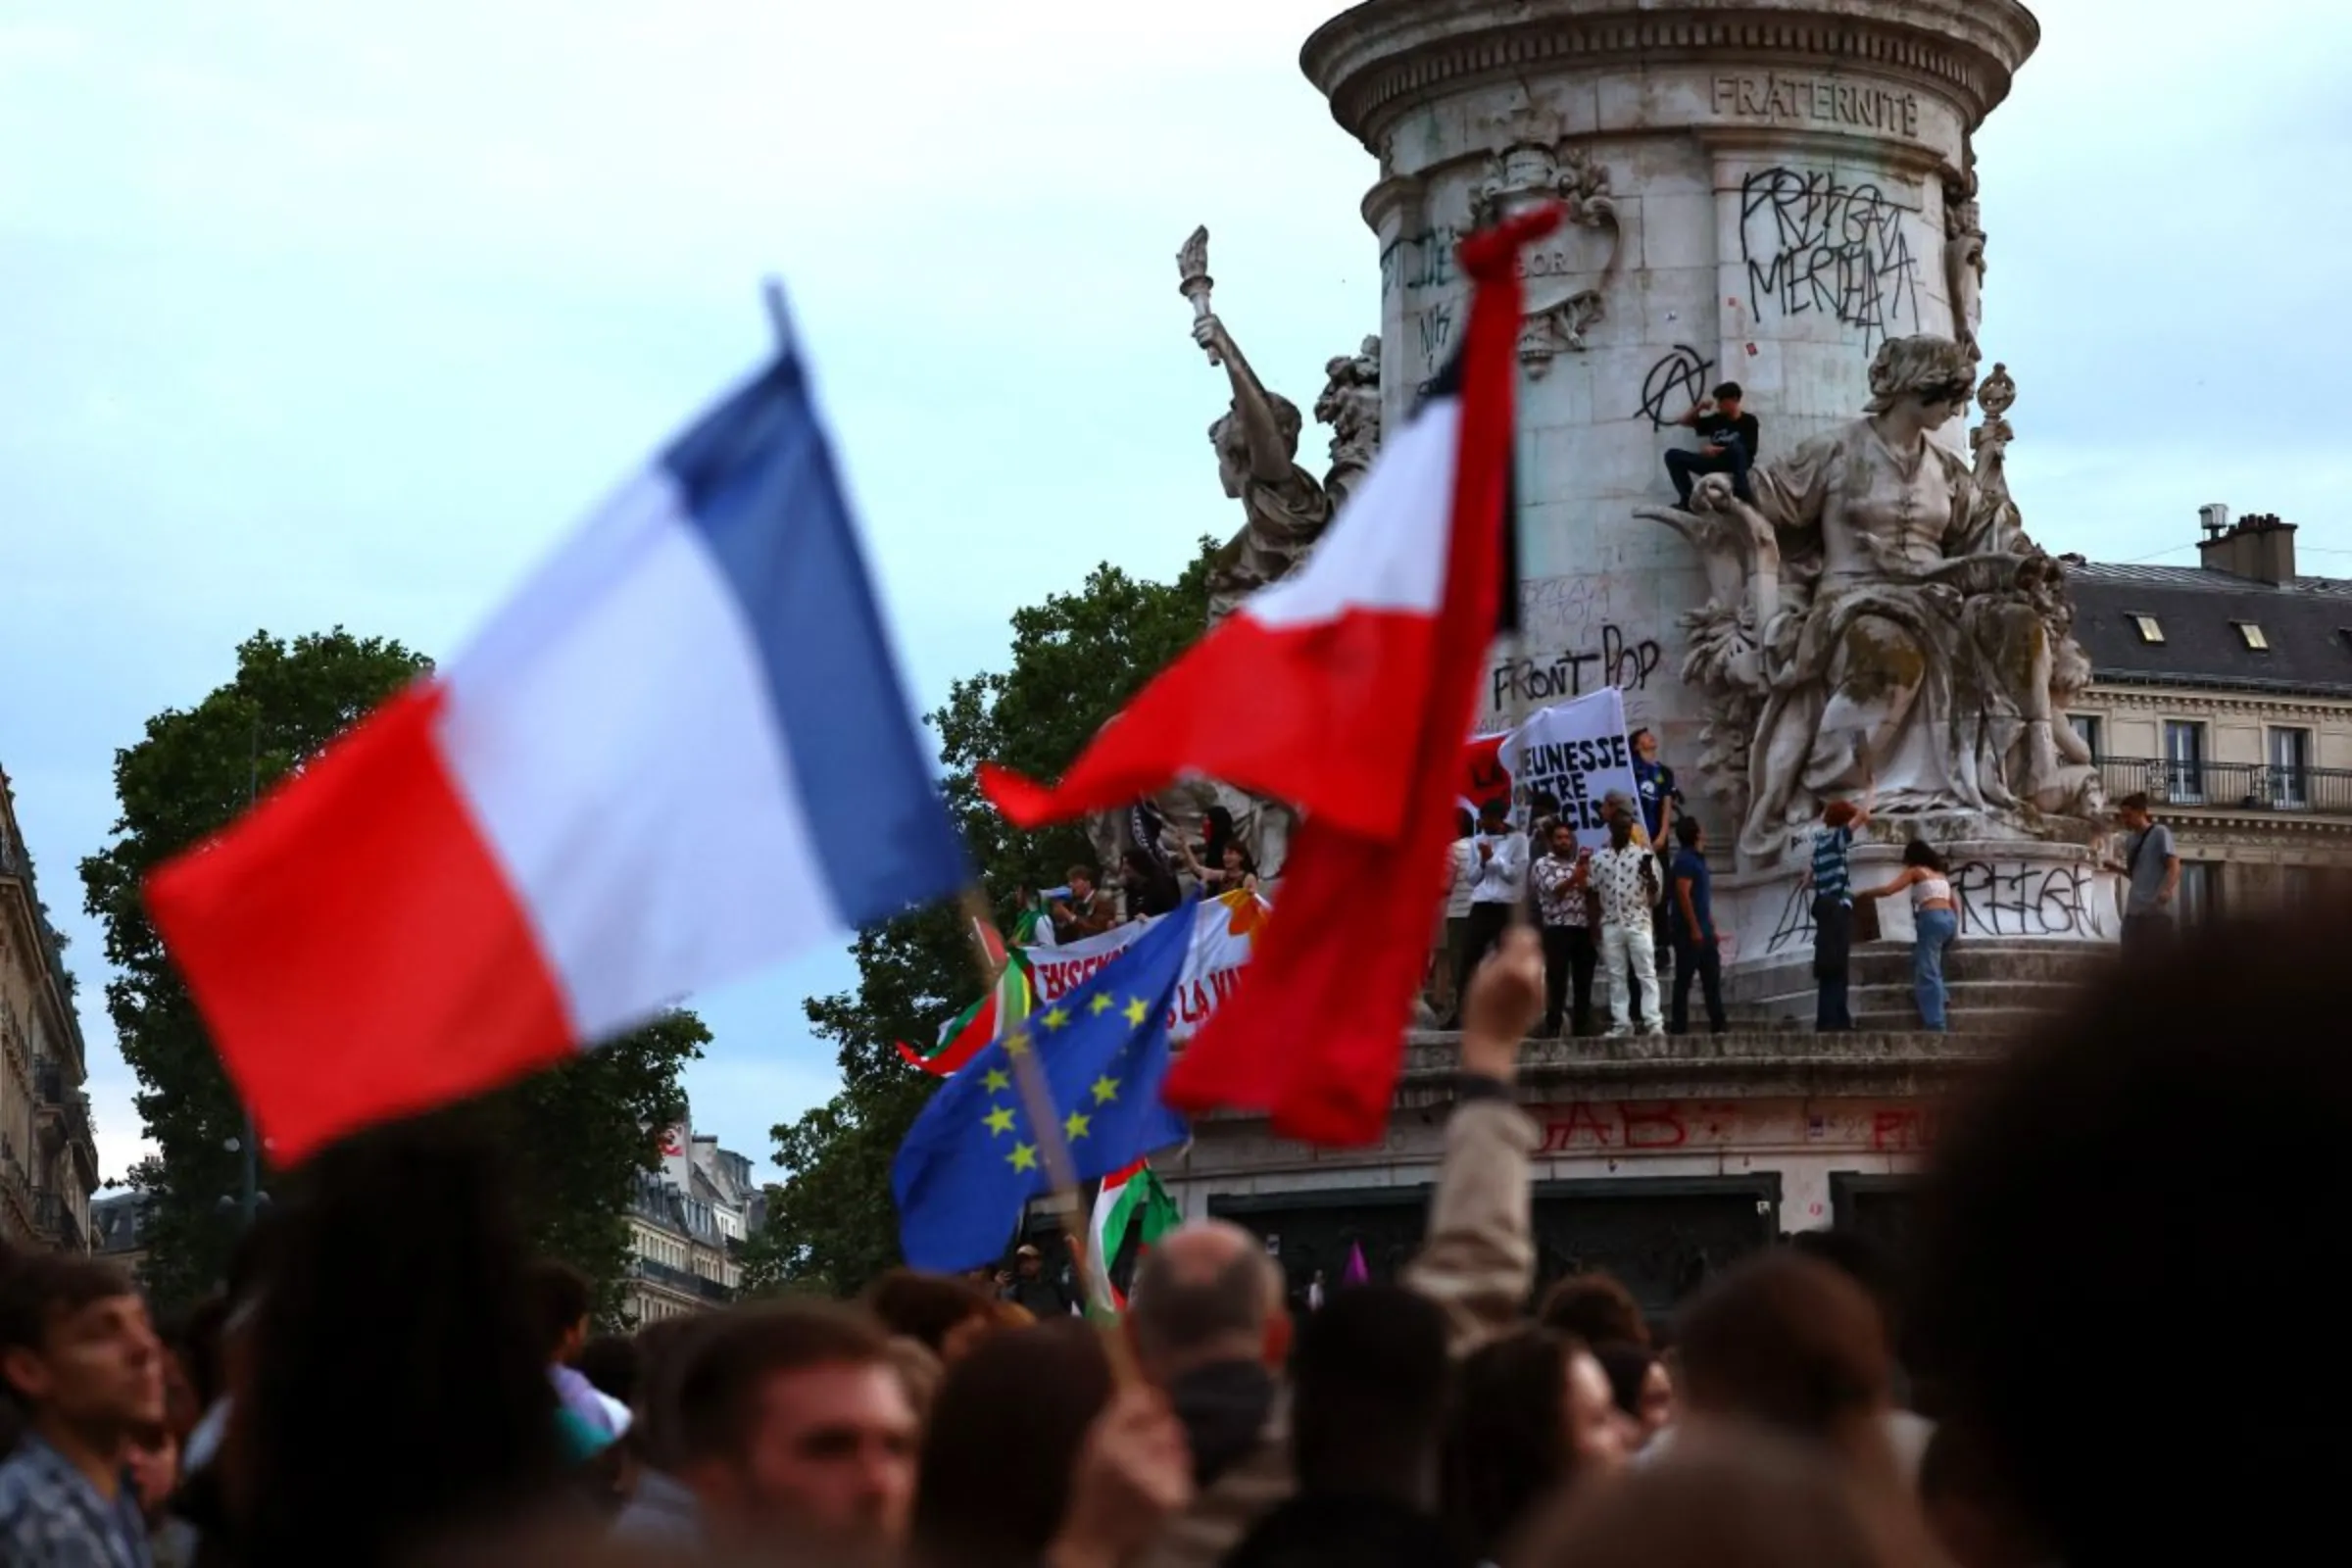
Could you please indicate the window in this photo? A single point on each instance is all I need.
(2200, 894)
(2253, 636)
(2290, 768)
(2149, 631)
(2087, 725)
(2184, 760)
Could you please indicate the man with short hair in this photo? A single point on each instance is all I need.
(2151, 870)
(1692, 918)
(1497, 886)
(1562, 889)
(1029, 1285)
(1206, 1315)
(561, 1300)
(790, 1419)
(80, 1361)
(1729, 442)
(1086, 912)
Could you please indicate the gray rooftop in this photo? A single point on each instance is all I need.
(2305, 622)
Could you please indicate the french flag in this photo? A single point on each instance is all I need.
(681, 753)
(1347, 689)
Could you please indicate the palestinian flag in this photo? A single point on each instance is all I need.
(976, 1028)
(1131, 1212)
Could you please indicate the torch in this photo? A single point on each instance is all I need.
(1192, 280)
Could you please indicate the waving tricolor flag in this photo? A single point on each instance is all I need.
(680, 753)
(1345, 689)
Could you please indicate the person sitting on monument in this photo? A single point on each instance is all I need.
(1729, 442)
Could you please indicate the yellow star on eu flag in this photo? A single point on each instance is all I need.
(1107, 1089)
(998, 1078)
(1016, 1044)
(1055, 1018)
(1023, 1156)
(1138, 1010)
(1076, 1125)
(1101, 1005)
(998, 1119)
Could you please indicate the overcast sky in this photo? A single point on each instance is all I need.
(325, 315)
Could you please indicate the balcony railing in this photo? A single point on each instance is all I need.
(59, 1107)
(679, 1279)
(54, 1217)
(2230, 786)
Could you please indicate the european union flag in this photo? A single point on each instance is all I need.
(970, 1163)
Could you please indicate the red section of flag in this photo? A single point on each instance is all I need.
(364, 877)
(1304, 714)
(1484, 777)
(1314, 1032)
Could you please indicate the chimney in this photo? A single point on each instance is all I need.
(2259, 548)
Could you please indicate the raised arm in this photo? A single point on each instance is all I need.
(1479, 1260)
(1270, 454)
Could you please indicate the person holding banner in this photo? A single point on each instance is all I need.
(1626, 875)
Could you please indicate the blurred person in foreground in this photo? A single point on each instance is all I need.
(998, 1458)
(1642, 1386)
(561, 1301)
(83, 1369)
(1533, 1413)
(946, 1315)
(793, 1426)
(1787, 1342)
(2166, 1158)
(1595, 1306)
(1729, 1498)
(1207, 1316)
(1369, 1384)
(397, 1399)
(661, 1511)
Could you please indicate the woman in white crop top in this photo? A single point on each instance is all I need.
(1935, 918)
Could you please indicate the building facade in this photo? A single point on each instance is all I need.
(2224, 693)
(48, 1150)
(119, 1230)
(688, 1222)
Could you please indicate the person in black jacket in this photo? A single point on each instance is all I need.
(1730, 443)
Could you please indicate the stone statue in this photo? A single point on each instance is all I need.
(1350, 406)
(1964, 260)
(1257, 441)
(1878, 619)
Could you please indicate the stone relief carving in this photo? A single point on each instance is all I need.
(1567, 275)
(1879, 618)
(1964, 258)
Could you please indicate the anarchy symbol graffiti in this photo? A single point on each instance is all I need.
(1680, 378)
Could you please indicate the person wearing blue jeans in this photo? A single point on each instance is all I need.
(1935, 922)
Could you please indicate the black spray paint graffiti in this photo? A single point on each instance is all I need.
(1437, 332)
(1794, 927)
(2024, 900)
(1618, 661)
(1995, 900)
(1814, 245)
(1680, 378)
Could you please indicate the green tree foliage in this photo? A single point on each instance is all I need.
(1076, 660)
(577, 1133)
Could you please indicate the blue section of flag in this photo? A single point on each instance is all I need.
(758, 481)
(971, 1161)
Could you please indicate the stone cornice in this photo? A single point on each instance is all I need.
(2233, 700)
(1380, 59)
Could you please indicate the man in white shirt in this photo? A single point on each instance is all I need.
(1461, 874)
(1625, 876)
(1497, 886)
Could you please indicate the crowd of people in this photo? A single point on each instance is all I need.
(387, 1377)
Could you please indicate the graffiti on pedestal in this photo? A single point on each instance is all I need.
(1620, 661)
(1814, 245)
(2024, 901)
(1676, 381)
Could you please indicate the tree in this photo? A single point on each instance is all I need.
(577, 1133)
(1076, 660)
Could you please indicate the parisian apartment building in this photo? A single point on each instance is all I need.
(48, 1151)
(2223, 691)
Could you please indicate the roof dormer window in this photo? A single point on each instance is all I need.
(2149, 631)
(2253, 636)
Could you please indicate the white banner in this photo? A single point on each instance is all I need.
(1575, 753)
(1221, 931)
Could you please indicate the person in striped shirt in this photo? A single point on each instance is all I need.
(1831, 879)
